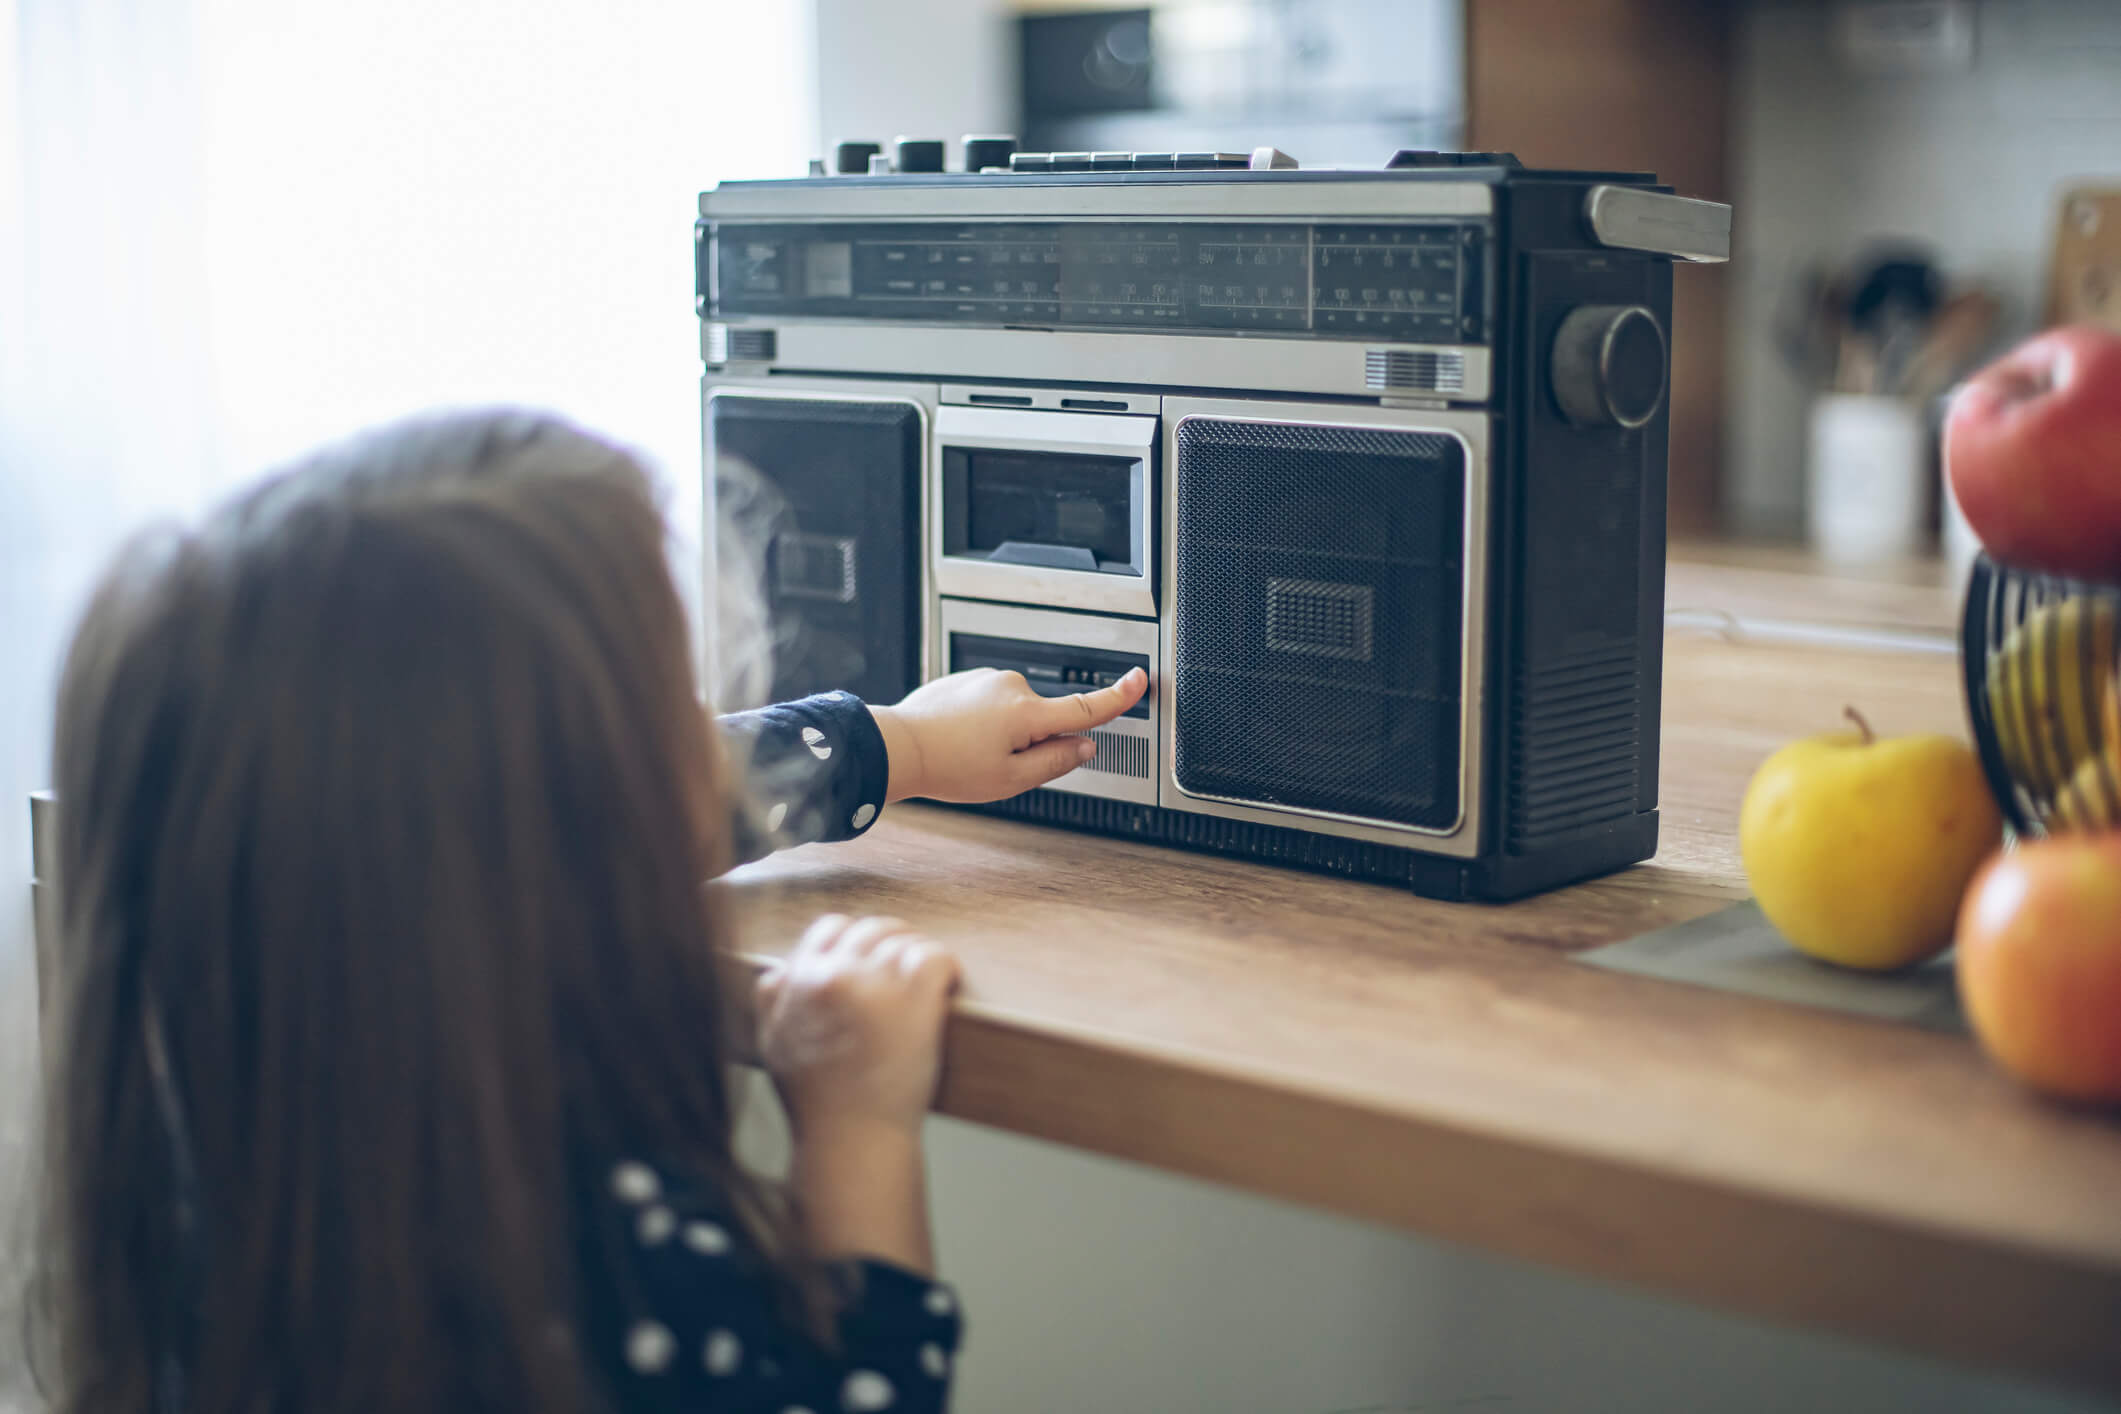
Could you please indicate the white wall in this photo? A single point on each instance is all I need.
(1973, 162)
(914, 68)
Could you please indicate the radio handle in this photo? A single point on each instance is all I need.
(1682, 227)
(1055, 557)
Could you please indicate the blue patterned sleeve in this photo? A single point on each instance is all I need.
(810, 770)
(681, 1313)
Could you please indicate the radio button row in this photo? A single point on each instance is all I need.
(1139, 161)
(1423, 157)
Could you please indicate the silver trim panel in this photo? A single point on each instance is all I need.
(1243, 363)
(1052, 399)
(1471, 429)
(1683, 227)
(798, 200)
(1083, 631)
(1073, 433)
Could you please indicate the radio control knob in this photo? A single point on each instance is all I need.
(991, 151)
(919, 154)
(1608, 366)
(852, 158)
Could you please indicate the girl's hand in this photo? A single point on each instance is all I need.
(982, 734)
(850, 1026)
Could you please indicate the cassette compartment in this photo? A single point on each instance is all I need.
(1060, 654)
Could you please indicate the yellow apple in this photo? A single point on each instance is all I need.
(1860, 849)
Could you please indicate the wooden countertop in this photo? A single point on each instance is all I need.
(1447, 1068)
(1785, 586)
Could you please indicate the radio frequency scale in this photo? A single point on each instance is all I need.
(1367, 468)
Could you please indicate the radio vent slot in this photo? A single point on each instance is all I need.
(807, 566)
(1120, 755)
(732, 344)
(1321, 619)
(1576, 746)
(1410, 369)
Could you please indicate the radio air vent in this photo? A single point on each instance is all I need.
(1120, 755)
(735, 344)
(1415, 370)
(1575, 745)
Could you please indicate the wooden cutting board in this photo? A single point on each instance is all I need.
(2084, 282)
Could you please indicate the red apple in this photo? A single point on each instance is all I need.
(2033, 448)
(2040, 964)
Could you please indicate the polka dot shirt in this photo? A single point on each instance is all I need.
(815, 769)
(687, 1322)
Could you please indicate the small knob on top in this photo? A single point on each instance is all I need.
(853, 157)
(1608, 366)
(990, 151)
(919, 154)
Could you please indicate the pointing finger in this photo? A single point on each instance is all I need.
(1080, 711)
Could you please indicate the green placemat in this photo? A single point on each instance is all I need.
(1738, 950)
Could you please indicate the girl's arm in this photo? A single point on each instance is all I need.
(824, 767)
(850, 1026)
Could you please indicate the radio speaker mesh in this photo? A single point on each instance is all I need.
(1317, 593)
(832, 490)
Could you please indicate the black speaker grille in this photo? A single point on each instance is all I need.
(1317, 597)
(832, 491)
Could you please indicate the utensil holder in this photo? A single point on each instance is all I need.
(1867, 482)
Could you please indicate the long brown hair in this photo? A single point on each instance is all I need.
(385, 802)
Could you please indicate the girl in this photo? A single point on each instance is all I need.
(391, 1066)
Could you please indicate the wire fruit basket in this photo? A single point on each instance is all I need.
(2042, 658)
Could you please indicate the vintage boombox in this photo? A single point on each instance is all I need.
(1367, 468)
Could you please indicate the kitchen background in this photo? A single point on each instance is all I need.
(229, 228)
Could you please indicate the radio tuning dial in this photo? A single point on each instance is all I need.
(919, 154)
(1608, 366)
(852, 158)
(984, 152)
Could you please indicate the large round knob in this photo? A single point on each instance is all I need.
(984, 152)
(1609, 365)
(919, 154)
(852, 158)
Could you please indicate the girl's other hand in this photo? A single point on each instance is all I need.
(983, 734)
(850, 1026)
